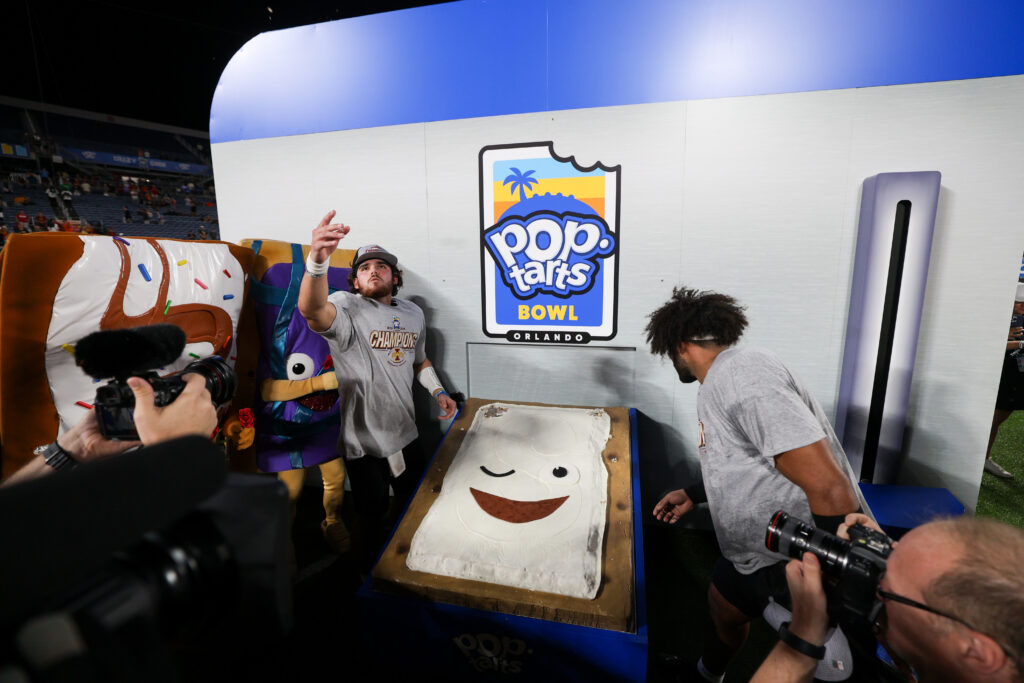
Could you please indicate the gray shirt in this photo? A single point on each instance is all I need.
(751, 408)
(374, 348)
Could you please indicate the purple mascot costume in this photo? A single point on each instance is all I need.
(296, 409)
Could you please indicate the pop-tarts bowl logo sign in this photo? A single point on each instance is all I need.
(549, 245)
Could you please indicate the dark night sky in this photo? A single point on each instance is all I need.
(152, 61)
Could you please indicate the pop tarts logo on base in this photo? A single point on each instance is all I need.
(549, 245)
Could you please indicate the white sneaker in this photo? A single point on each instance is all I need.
(992, 467)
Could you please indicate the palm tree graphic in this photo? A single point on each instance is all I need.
(520, 181)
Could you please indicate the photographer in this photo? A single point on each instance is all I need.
(1010, 396)
(191, 413)
(952, 605)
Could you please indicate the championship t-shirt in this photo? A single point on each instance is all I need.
(374, 348)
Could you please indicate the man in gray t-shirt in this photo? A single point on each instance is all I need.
(764, 444)
(751, 409)
(377, 343)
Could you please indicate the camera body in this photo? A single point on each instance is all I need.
(853, 568)
(115, 402)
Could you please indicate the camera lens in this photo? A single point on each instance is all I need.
(221, 380)
(793, 538)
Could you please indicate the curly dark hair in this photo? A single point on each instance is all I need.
(691, 314)
(396, 274)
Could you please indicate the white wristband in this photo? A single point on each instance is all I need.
(428, 379)
(316, 269)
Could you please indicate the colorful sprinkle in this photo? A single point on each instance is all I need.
(194, 355)
(182, 261)
(229, 296)
(199, 282)
(84, 404)
(69, 348)
(120, 239)
(226, 272)
(145, 273)
(167, 307)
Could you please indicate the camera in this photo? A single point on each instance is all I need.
(852, 568)
(137, 352)
(115, 402)
(169, 565)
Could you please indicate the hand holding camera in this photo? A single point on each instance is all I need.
(853, 567)
(192, 412)
(85, 442)
(810, 618)
(131, 357)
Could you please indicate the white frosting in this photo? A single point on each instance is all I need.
(530, 454)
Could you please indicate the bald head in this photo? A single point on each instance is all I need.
(969, 567)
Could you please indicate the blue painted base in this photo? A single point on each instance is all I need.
(898, 509)
(465, 644)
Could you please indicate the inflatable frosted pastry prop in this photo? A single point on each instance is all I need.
(523, 502)
(118, 283)
(56, 288)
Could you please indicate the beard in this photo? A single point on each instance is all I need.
(376, 289)
(685, 376)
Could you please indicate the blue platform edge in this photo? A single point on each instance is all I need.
(898, 509)
(478, 58)
(462, 643)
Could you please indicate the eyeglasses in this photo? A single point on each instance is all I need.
(886, 595)
(880, 621)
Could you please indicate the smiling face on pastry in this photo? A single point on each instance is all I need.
(523, 502)
(520, 479)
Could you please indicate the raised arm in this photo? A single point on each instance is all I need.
(313, 304)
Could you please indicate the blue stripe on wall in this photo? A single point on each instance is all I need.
(492, 57)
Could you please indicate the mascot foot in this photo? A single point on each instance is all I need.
(337, 536)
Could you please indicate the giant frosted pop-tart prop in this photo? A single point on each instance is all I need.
(527, 510)
(56, 288)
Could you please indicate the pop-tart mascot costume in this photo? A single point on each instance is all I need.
(297, 402)
(58, 288)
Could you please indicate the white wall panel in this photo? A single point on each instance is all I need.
(972, 132)
(569, 375)
(753, 196)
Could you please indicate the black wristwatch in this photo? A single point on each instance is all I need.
(55, 456)
(799, 644)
